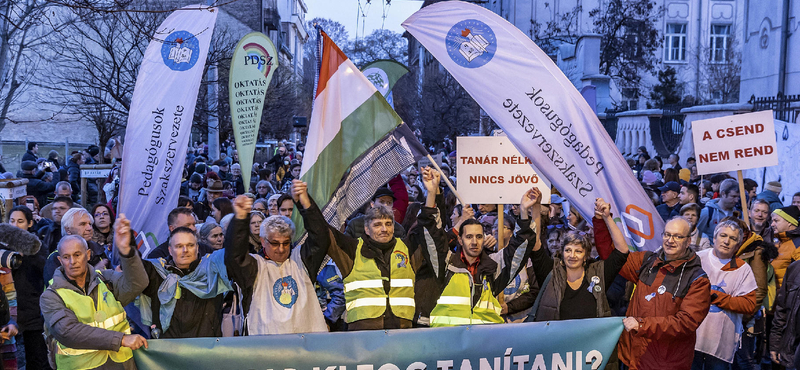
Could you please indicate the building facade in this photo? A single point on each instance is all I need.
(702, 41)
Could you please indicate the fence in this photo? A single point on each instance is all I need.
(782, 105)
(11, 152)
(667, 130)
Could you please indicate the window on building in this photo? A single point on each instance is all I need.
(630, 98)
(675, 42)
(720, 39)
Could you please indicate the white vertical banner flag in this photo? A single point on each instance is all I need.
(539, 109)
(160, 119)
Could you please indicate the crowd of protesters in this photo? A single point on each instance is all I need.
(720, 293)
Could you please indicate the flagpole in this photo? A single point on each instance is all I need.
(446, 180)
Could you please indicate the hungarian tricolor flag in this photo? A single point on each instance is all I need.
(349, 117)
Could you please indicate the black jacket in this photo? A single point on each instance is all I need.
(29, 283)
(785, 328)
(29, 156)
(497, 276)
(322, 239)
(193, 317)
(243, 268)
(74, 176)
(40, 189)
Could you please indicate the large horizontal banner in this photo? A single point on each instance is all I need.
(539, 109)
(567, 345)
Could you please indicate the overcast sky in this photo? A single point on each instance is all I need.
(346, 11)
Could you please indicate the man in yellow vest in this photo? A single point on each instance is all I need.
(475, 277)
(83, 310)
(379, 270)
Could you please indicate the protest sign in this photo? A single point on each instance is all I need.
(540, 110)
(735, 143)
(425, 162)
(252, 67)
(492, 171)
(572, 344)
(160, 119)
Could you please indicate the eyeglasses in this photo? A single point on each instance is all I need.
(104, 214)
(557, 226)
(279, 244)
(676, 237)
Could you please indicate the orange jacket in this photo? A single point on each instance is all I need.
(670, 301)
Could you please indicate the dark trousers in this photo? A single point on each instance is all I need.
(704, 361)
(35, 350)
(746, 357)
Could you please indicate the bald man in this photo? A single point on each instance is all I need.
(672, 298)
(83, 308)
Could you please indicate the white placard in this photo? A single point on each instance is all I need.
(13, 193)
(95, 173)
(732, 143)
(492, 171)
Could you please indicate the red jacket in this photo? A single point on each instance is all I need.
(668, 320)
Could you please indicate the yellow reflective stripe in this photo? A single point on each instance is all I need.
(454, 299)
(73, 352)
(109, 322)
(401, 283)
(361, 302)
(401, 301)
(454, 321)
(361, 284)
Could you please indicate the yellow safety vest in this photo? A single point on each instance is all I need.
(107, 314)
(454, 306)
(363, 288)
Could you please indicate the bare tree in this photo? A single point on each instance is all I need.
(285, 99)
(23, 34)
(720, 71)
(445, 108)
(98, 62)
(380, 44)
(630, 39)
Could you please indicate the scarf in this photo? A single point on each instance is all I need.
(208, 280)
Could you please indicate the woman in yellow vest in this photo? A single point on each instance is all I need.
(85, 322)
(474, 277)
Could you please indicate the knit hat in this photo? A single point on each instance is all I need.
(685, 174)
(649, 177)
(774, 186)
(28, 165)
(791, 214)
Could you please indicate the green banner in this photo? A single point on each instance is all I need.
(384, 74)
(253, 63)
(573, 345)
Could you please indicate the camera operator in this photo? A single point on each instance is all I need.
(29, 283)
(36, 186)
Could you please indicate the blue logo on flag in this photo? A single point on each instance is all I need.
(471, 43)
(285, 291)
(180, 50)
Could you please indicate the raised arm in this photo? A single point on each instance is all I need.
(133, 279)
(515, 259)
(241, 266)
(322, 238)
(603, 210)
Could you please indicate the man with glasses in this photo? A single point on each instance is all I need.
(671, 299)
(278, 293)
